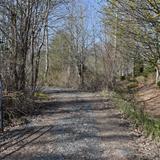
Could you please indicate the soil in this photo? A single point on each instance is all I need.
(149, 98)
(76, 126)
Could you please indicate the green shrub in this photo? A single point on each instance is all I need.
(131, 79)
(148, 69)
(158, 84)
(41, 96)
(140, 79)
(17, 105)
(132, 85)
(123, 78)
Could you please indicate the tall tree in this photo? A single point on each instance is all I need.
(25, 29)
(137, 28)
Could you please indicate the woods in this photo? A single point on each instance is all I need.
(79, 79)
(59, 43)
(134, 25)
(34, 33)
(24, 27)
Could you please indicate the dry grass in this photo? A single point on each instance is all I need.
(149, 96)
(17, 106)
(144, 122)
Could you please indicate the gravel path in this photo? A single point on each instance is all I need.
(73, 126)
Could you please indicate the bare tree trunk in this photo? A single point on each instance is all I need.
(22, 70)
(32, 63)
(47, 54)
(158, 72)
(157, 75)
(47, 44)
(1, 109)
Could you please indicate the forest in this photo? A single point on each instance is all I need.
(81, 48)
(41, 45)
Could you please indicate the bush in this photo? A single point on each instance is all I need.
(148, 69)
(132, 80)
(41, 96)
(132, 85)
(158, 84)
(140, 79)
(123, 78)
(17, 105)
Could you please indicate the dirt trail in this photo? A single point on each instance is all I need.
(73, 126)
(149, 97)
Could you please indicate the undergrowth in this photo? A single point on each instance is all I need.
(41, 96)
(149, 125)
(17, 106)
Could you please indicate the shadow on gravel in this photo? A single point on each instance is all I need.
(22, 135)
(78, 156)
(27, 137)
(59, 91)
(72, 101)
(62, 107)
(18, 139)
(80, 127)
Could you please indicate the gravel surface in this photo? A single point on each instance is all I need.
(75, 126)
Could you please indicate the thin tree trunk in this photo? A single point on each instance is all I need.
(47, 54)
